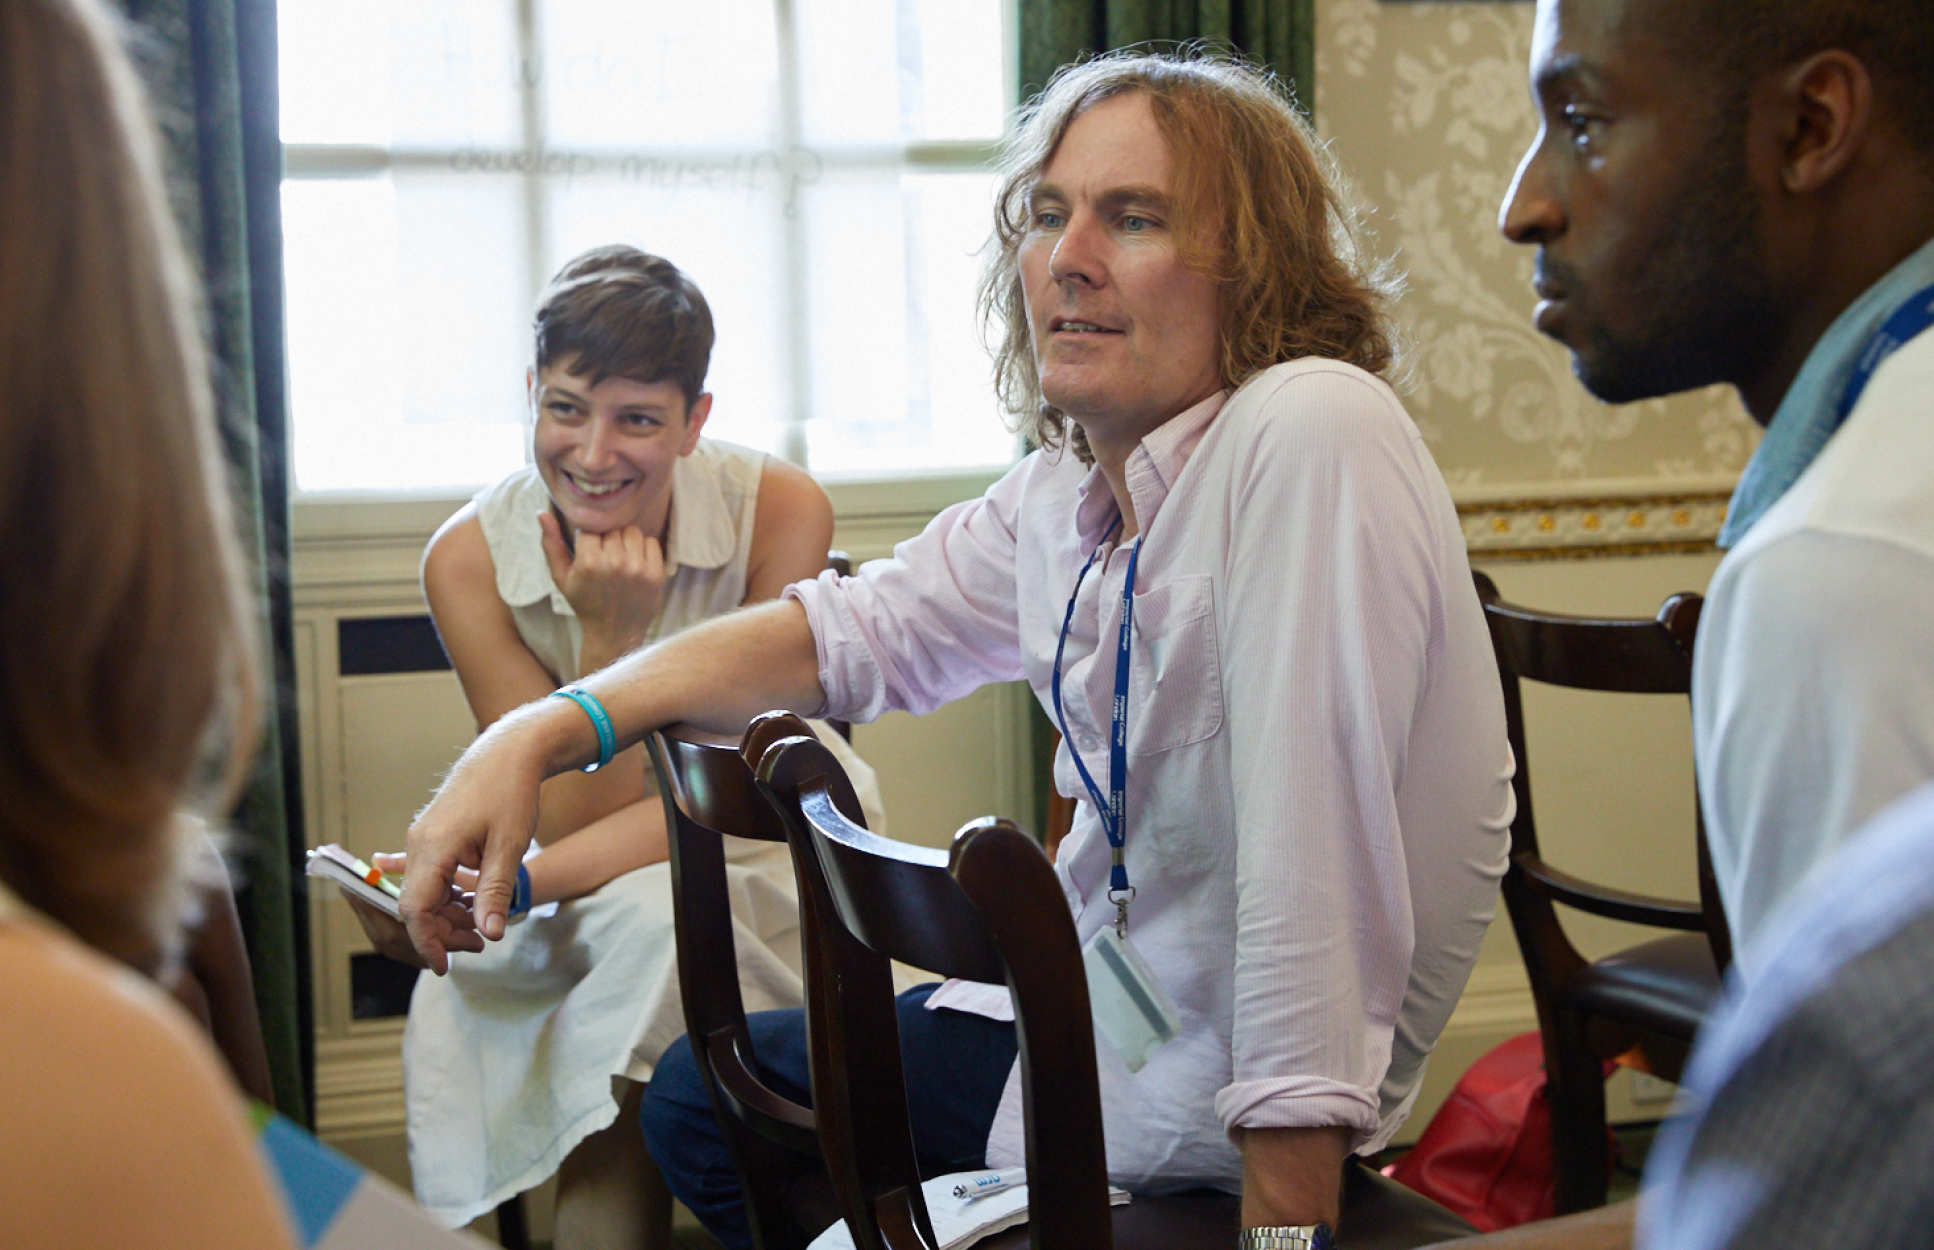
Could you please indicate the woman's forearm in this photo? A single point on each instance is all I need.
(717, 676)
(573, 800)
(583, 860)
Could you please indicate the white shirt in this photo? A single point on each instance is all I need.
(1813, 678)
(1318, 794)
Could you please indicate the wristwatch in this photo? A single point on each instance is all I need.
(1301, 1237)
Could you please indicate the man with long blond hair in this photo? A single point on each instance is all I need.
(1237, 580)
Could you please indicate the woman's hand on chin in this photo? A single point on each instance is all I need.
(614, 581)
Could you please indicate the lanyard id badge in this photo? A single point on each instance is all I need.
(1112, 809)
(1132, 1010)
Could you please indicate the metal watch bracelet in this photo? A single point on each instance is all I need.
(1302, 1237)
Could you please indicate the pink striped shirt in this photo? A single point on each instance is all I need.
(1318, 779)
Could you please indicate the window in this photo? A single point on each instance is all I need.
(820, 167)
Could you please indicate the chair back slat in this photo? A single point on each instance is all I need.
(897, 899)
(710, 785)
(1610, 902)
(1612, 655)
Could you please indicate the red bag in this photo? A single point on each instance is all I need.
(1486, 1154)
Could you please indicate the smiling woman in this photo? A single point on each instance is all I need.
(627, 526)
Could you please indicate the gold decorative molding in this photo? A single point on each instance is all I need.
(1607, 525)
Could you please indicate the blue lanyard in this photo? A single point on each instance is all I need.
(1916, 315)
(1114, 808)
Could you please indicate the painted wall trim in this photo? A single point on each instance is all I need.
(1617, 524)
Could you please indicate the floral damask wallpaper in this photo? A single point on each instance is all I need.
(1428, 111)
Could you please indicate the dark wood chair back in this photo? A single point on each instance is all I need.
(1651, 996)
(709, 795)
(953, 913)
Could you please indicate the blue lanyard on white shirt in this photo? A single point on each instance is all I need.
(1113, 810)
(1916, 315)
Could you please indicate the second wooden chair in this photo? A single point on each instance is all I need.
(1645, 1001)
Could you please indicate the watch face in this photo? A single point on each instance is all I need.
(1321, 1238)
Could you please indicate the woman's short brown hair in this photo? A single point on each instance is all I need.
(1258, 208)
(128, 678)
(618, 312)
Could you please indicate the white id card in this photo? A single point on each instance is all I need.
(1131, 1008)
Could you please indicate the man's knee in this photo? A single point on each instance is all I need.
(675, 1094)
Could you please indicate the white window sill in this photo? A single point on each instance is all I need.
(365, 547)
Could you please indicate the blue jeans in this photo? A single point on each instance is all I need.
(956, 1066)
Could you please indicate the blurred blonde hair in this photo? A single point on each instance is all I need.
(1260, 208)
(128, 678)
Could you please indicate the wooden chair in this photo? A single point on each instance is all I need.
(1647, 999)
(709, 795)
(990, 910)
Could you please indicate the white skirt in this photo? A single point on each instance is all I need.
(520, 1052)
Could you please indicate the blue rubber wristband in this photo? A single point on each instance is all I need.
(600, 721)
(520, 895)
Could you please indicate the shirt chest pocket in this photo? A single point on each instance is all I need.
(1175, 686)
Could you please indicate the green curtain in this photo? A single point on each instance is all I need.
(1278, 33)
(210, 67)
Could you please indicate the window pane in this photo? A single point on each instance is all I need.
(963, 70)
(620, 74)
(901, 71)
(724, 232)
(899, 378)
(407, 323)
(955, 214)
(398, 72)
(840, 281)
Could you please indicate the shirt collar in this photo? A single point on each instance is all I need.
(701, 532)
(1150, 472)
(523, 577)
(1810, 412)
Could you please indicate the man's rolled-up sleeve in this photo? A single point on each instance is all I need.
(935, 621)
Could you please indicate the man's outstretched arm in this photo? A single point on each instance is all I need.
(717, 675)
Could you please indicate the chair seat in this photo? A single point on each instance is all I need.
(1667, 985)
